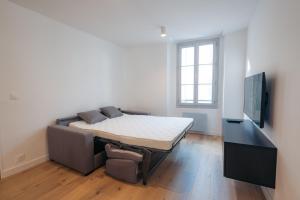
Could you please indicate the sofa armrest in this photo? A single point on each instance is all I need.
(71, 147)
(116, 153)
(132, 112)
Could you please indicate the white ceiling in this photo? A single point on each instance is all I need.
(137, 22)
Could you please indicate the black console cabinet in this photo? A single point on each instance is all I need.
(248, 154)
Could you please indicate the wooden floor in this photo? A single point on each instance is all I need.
(192, 171)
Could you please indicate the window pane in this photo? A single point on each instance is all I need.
(187, 93)
(206, 54)
(187, 75)
(205, 74)
(187, 56)
(204, 93)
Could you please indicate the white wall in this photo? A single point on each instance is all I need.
(273, 47)
(48, 70)
(145, 78)
(235, 46)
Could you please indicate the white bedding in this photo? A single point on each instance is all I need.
(141, 130)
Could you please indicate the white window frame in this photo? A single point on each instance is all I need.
(216, 62)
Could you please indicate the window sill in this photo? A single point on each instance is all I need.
(197, 106)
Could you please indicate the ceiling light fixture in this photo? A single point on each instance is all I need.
(163, 31)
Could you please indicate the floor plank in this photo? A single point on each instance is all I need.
(192, 171)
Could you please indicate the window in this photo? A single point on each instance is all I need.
(198, 63)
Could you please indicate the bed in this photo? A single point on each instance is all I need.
(139, 130)
(153, 136)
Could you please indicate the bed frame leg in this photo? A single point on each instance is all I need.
(146, 165)
(144, 182)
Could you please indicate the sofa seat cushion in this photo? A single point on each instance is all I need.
(113, 151)
(126, 170)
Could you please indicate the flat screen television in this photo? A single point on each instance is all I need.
(255, 98)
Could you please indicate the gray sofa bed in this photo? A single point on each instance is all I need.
(76, 148)
(80, 150)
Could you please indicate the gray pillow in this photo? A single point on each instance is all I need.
(111, 112)
(92, 117)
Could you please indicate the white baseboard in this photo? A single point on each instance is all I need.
(267, 193)
(24, 166)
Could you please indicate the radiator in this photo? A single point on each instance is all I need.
(200, 121)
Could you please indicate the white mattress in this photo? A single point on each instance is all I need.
(141, 130)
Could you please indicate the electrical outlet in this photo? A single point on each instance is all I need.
(13, 97)
(20, 158)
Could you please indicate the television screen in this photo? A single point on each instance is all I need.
(254, 98)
